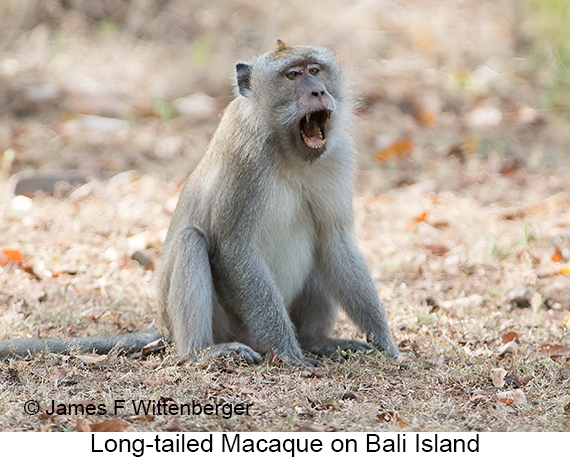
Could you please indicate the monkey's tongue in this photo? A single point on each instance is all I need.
(312, 135)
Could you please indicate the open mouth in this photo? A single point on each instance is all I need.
(312, 130)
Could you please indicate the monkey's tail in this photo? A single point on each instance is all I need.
(128, 342)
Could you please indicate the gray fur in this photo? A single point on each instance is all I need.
(261, 246)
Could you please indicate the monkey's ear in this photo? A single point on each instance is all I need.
(243, 71)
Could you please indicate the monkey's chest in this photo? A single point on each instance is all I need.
(287, 244)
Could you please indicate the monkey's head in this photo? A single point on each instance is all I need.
(297, 90)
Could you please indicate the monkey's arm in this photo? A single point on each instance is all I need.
(349, 281)
(129, 342)
(252, 293)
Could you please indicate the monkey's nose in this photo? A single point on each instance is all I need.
(318, 93)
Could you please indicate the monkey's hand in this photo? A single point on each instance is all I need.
(235, 350)
(297, 361)
(384, 343)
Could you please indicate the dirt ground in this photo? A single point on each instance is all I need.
(462, 210)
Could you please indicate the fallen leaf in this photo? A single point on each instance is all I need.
(111, 425)
(557, 255)
(142, 417)
(348, 395)
(525, 379)
(513, 380)
(397, 149)
(310, 428)
(153, 347)
(83, 425)
(11, 256)
(54, 373)
(523, 300)
(550, 350)
(173, 425)
(416, 220)
(498, 377)
(510, 336)
(507, 348)
(512, 396)
(92, 359)
(389, 416)
(437, 249)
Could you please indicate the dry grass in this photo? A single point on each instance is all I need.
(453, 232)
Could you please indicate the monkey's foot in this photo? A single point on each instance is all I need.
(384, 343)
(336, 348)
(235, 350)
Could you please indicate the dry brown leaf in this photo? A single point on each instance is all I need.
(498, 377)
(92, 359)
(11, 256)
(512, 396)
(392, 416)
(173, 425)
(53, 373)
(436, 361)
(142, 417)
(310, 428)
(416, 220)
(557, 255)
(514, 381)
(397, 149)
(550, 350)
(510, 336)
(83, 425)
(111, 425)
(437, 249)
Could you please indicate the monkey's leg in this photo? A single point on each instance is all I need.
(347, 277)
(253, 295)
(314, 314)
(191, 302)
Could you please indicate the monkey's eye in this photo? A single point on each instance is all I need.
(314, 69)
(293, 73)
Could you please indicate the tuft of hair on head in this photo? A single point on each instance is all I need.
(281, 49)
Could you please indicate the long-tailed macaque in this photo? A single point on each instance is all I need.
(261, 248)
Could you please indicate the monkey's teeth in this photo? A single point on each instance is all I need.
(310, 144)
(308, 117)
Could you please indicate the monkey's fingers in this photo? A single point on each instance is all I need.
(299, 361)
(385, 344)
(234, 350)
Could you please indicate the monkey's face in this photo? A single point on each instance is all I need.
(314, 105)
(296, 91)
